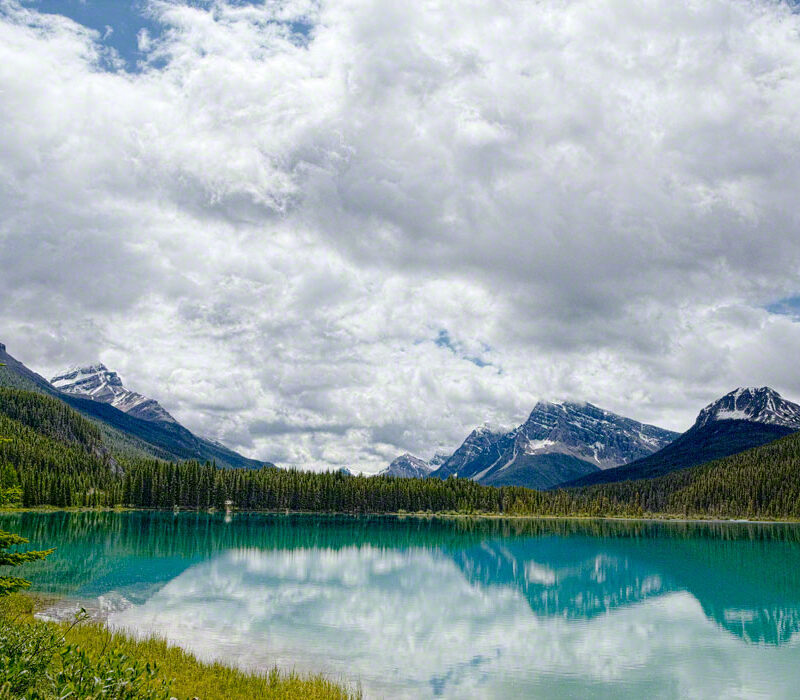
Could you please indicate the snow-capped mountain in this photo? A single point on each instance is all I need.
(740, 420)
(163, 439)
(101, 384)
(558, 442)
(484, 446)
(407, 466)
(758, 405)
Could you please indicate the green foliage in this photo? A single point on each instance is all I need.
(48, 661)
(190, 678)
(10, 488)
(38, 663)
(25, 653)
(49, 417)
(10, 584)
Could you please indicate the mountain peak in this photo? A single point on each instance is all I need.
(559, 439)
(97, 382)
(488, 428)
(754, 404)
(588, 432)
(408, 466)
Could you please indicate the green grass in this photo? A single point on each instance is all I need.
(186, 677)
(191, 678)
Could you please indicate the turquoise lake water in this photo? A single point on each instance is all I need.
(419, 608)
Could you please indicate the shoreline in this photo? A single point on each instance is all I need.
(187, 674)
(650, 517)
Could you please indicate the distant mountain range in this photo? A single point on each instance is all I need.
(130, 422)
(566, 444)
(561, 444)
(743, 419)
(559, 441)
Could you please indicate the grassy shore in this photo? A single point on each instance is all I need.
(169, 670)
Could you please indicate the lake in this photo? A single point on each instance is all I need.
(462, 608)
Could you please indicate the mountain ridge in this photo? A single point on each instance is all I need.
(742, 419)
(407, 466)
(559, 441)
(101, 384)
(754, 404)
(159, 439)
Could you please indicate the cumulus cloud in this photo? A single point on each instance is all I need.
(271, 222)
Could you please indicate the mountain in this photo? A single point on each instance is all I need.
(559, 441)
(762, 405)
(743, 419)
(98, 383)
(123, 432)
(407, 466)
(759, 483)
(17, 376)
(437, 460)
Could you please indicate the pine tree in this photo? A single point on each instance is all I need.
(10, 584)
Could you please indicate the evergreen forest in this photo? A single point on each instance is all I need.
(53, 456)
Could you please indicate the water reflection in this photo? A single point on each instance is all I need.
(426, 607)
(410, 624)
(750, 588)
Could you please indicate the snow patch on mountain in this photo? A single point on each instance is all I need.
(754, 404)
(101, 384)
(581, 431)
(438, 460)
(407, 466)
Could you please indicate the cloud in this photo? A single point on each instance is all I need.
(270, 225)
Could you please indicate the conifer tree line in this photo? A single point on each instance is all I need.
(11, 584)
(56, 457)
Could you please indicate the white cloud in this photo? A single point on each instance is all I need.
(267, 231)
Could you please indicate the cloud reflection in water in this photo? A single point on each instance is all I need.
(409, 623)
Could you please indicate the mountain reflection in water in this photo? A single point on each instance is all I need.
(449, 607)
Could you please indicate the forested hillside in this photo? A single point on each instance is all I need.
(49, 453)
(49, 417)
(763, 482)
(122, 432)
(53, 456)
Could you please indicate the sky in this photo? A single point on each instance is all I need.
(327, 233)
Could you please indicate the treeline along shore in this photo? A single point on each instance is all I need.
(54, 456)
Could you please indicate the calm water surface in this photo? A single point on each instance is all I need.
(434, 608)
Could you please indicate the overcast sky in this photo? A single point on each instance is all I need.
(330, 232)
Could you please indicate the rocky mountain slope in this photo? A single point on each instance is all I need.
(757, 405)
(122, 431)
(740, 420)
(99, 383)
(407, 466)
(559, 441)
